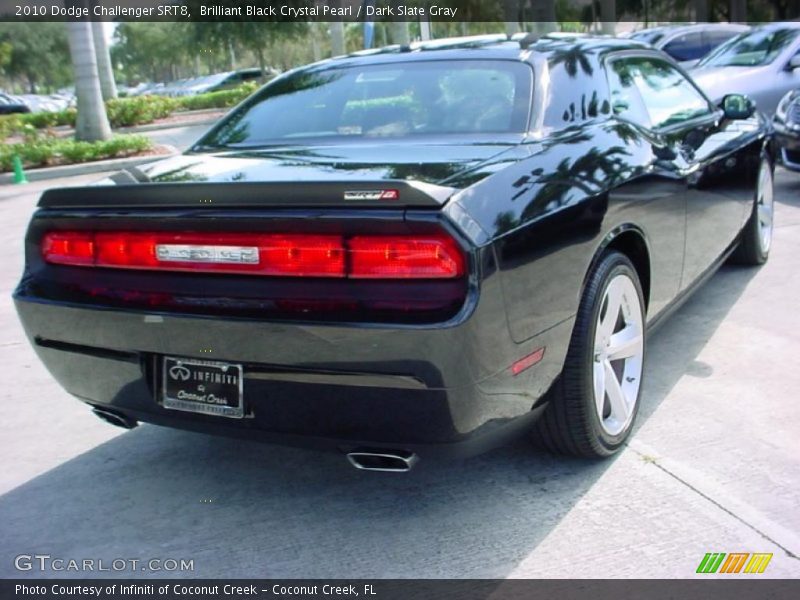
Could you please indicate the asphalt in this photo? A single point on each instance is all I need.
(714, 466)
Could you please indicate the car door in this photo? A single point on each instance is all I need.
(695, 146)
(785, 78)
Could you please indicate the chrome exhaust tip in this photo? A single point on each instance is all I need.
(115, 418)
(388, 461)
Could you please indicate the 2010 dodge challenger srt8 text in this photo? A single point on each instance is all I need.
(410, 251)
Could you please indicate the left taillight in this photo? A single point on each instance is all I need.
(409, 256)
(69, 248)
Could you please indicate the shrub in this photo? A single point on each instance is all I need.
(128, 112)
(46, 151)
(223, 99)
(16, 124)
(138, 110)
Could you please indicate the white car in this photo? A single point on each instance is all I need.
(764, 64)
(687, 44)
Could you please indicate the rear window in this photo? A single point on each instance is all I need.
(395, 100)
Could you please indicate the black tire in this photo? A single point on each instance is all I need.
(570, 424)
(751, 250)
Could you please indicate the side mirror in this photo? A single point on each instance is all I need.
(794, 62)
(738, 106)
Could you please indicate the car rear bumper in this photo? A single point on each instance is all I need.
(444, 390)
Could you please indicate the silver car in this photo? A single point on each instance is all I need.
(687, 44)
(763, 64)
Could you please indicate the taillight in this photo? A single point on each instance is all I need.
(405, 257)
(68, 248)
(424, 256)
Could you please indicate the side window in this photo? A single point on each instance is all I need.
(689, 46)
(668, 97)
(626, 101)
(715, 38)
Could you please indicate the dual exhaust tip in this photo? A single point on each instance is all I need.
(115, 418)
(388, 461)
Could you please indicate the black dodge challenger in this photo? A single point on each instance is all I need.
(409, 251)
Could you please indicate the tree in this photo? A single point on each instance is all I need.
(92, 122)
(107, 84)
(337, 38)
(158, 51)
(36, 54)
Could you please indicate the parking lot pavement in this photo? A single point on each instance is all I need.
(713, 467)
(179, 137)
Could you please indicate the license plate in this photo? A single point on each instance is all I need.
(203, 386)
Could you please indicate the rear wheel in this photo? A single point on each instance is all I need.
(594, 403)
(756, 239)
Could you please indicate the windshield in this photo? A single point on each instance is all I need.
(751, 49)
(392, 100)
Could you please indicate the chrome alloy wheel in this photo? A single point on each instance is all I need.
(765, 206)
(618, 355)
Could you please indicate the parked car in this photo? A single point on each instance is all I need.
(216, 82)
(405, 252)
(787, 129)
(687, 44)
(764, 64)
(12, 104)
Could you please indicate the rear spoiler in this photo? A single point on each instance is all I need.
(251, 195)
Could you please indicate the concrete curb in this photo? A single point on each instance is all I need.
(218, 112)
(159, 126)
(87, 168)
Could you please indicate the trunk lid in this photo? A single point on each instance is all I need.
(423, 175)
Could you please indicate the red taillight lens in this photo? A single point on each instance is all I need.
(303, 255)
(125, 250)
(68, 248)
(405, 257)
(433, 256)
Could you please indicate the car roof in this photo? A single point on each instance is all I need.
(778, 25)
(488, 47)
(686, 27)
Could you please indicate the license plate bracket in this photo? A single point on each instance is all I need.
(203, 386)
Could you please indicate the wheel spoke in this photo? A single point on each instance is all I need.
(625, 343)
(616, 397)
(765, 215)
(599, 387)
(613, 305)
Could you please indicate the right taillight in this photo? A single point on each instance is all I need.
(405, 257)
(409, 256)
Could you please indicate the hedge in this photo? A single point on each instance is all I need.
(46, 151)
(137, 110)
(128, 112)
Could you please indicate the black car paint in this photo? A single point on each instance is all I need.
(533, 212)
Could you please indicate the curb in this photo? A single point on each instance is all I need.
(217, 112)
(114, 164)
(159, 126)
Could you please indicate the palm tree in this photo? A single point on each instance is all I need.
(107, 84)
(92, 123)
(608, 12)
(337, 38)
(400, 33)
